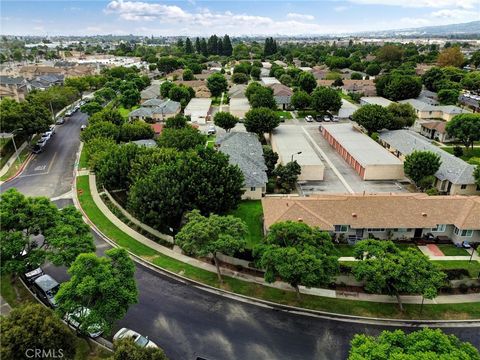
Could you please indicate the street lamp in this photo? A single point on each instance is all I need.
(298, 153)
(15, 145)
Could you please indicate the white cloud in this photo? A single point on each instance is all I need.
(453, 14)
(300, 16)
(463, 4)
(341, 8)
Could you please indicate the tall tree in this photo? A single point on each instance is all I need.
(261, 121)
(31, 327)
(217, 83)
(203, 236)
(227, 46)
(420, 344)
(105, 285)
(386, 269)
(30, 116)
(390, 53)
(287, 175)
(271, 159)
(301, 100)
(189, 46)
(307, 82)
(198, 46)
(203, 47)
(297, 254)
(225, 120)
(465, 127)
(181, 139)
(421, 164)
(403, 115)
(451, 56)
(326, 99)
(373, 118)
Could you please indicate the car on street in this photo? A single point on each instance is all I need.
(60, 121)
(335, 118)
(37, 149)
(30, 276)
(75, 319)
(42, 141)
(211, 130)
(138, 339)
(309, 118)
(46, 287)
(47, 135)
(69, 113)
(52, 129)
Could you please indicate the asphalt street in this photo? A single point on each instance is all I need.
(186, 321)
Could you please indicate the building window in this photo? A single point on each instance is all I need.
(478, 187)
(375, 229)
(463, 186)
(252, 189)
(400, 230)
(341, 228)
(466, 233)
(439, 228)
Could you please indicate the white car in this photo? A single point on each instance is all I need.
(138, 339)
(83, 127)
(309, 118)
(75, 318)
(211, 130)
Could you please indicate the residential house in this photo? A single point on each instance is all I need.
(368, 158)
(280, 63)
(200, 87)
(426, 111)
(237, 91)
(30, 72)
(375, 100)
(156, 109)
(435, 130)
(470, 100)
(403, 216)
(43, 82)
(13, 87)
(239, 106)
(199, 110)
(320, 73)
(422, 69)
(282, 95)
(365, 87)
(269, 81)
(245, 151)
(151, 92)
(454, 177)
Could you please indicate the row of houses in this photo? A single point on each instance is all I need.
(383, 216)
(17, 88)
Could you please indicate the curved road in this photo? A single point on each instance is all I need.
(188, 322)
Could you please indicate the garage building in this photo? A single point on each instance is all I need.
(199, 110)
(289, 140)
(369, 159)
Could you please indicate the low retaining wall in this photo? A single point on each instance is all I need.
(145, 227)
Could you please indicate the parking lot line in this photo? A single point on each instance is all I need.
(335, 170)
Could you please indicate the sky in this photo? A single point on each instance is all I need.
(246, 17)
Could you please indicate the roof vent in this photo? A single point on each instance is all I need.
(354, 215)
(300, 219)
(424, 214)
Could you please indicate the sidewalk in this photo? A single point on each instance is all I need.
(433, 256)
(413, 299)
(12, 159)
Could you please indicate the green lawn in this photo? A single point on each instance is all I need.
(83, 161)
(359, 308)
(452, 250)
(345, 249)
(124, 112)
(473, 267)
(287, 115)
(467, 153)
(17, 164)
(251, 212)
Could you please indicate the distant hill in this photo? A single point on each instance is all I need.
(469, 28)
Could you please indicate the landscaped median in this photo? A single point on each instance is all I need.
(349, 307)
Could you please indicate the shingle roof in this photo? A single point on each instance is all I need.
(151, 92)
(375, 211)
(435, 125)
(245, 150)
(153, 102)
(164, 107)
(8, 80)
(452, 168)
(423, 106)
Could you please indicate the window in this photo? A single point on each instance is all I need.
(341, 228)
(467, 233)
(252, 189)
(478, 187)
(400, 230)
(375, 229)
(439, 228)
(463, 186)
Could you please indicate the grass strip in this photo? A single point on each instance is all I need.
(349, 307)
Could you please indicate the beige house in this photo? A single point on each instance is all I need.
(382, 216)
(454, 177)
(369, 159)
(156, 109)
(436, 130)
(13, 87)
(426, 111)
(199, 110)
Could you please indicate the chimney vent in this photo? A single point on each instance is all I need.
(354, 215)
(424, 214)
(300, 219)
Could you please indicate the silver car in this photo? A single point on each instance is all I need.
(75, 319)
(138, 339)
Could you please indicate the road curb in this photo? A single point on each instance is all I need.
(18, 173)
(272, 305)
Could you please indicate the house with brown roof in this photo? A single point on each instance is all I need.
(13, 87)
(32, 71)
(365, 87)
(401, 216)
(436, 130)
(282, 95)
(200, 87)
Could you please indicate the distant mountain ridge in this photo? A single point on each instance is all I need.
(469, 28)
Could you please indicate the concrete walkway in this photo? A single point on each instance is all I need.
(12, 159)
(432, 255)
(444, 299)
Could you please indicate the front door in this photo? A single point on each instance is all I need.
(359, 233)
(418, 233)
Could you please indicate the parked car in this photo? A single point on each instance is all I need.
(46, 288)
(327, 118)
(37, 149)
(60, 121)
(211, 130)
(47, 135)
(42, 141)
(309, 118)
(75, 318)
(52, 129)
(335, 118)
(30, 276)
(319, 118)
(68, 113)
(466, 245)
(138, 339)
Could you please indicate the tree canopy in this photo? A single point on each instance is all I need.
(261, 121)
(126, 349)
(181, 139)
(373, 117)
(326, 99)
(217, 83)
(465, 127)
(297, 254)
(421, 344)
(451, 56)
(105, 285)
(421, 164)
(225, 120)
(202, 236)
